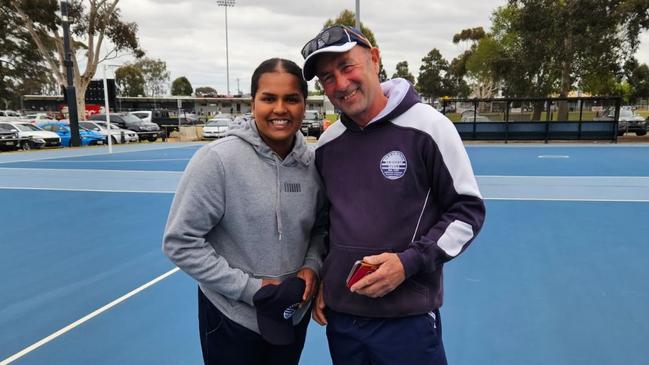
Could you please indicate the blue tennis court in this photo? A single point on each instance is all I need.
(557, 276)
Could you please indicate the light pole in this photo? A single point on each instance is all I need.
(71, 94)
(107, 107)
(358, 14)
(226, 4)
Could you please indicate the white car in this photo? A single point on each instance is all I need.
(216, 128)
(118, 134)
(9, 116)
(38, 138)
(36, 118)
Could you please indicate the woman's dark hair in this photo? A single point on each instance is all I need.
(278, 64)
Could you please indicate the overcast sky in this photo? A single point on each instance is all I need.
(190, 35)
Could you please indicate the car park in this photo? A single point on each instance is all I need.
(312, 123)
(10, 139)
(36, 137)
(118, 135)
(470, 116)
(88, 138)
(217, 127)
(145, 130)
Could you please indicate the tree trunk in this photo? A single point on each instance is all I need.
(538, 109)
(566, 82)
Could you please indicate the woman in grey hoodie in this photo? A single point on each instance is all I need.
(250, 211)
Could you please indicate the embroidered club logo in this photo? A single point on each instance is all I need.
(394, 165)
(288, 312)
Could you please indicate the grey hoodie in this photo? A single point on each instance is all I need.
(241, 214)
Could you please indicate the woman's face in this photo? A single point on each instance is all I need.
(278, 108)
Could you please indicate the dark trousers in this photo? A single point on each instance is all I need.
(357, 340)
(225, 342)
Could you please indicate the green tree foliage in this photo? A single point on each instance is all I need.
(637, 75)
(155, 74)
(97, 34)
(129, 80)
(206, 91)
(482, 87)
(181, 86)
(22, 69)
(434, 79)
(403, 72)
(348, 17)
(550, 46)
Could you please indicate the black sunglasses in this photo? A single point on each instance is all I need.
(337, 34)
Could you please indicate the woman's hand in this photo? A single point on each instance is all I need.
(311, 280)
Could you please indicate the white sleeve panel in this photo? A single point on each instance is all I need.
(456, 235)
(425, 118)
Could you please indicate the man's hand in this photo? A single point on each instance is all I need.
(385, 279)
(318, 309)
(310, 279)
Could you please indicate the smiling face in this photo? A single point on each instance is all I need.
(350, 80)
(278, 108)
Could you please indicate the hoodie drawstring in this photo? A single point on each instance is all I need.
(278, 203)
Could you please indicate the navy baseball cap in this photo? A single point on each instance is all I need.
(336, 39)
(278, 310)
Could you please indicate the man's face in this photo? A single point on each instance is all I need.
(350, 80)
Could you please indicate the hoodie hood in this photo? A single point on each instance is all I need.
(401, 96)
(249, 133)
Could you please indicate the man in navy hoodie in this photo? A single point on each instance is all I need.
(403, 198)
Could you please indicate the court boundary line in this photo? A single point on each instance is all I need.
(86, 318)
(90, 190)
(92, 161)
(88, 154)
(87, 170)
(574, 200)
(563, 176)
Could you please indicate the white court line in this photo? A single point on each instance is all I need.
(553, 156)
(90, 190)
(573, 200)
(92, 161)
(13, 169)
(561, 177)
(70, 154)
(84, 319)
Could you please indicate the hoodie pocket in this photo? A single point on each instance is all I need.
(411, 297)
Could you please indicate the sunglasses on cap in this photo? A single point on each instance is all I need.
(332, 36)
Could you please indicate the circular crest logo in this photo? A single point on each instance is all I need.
(394, 165)
(288, 312)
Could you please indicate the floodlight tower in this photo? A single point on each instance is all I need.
(358, 14)
(226, 4)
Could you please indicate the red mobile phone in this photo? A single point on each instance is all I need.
(358, 271)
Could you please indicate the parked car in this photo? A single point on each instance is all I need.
(145, 130)
(163, 119)
(470, 116)
(217, 127)
(88, 138)
(36, 137)
(312, 123)
(118, 135)
(628, 121)
(36, 117)
(10, 139)
(9, 116)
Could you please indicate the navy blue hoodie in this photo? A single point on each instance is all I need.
(401, 184)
